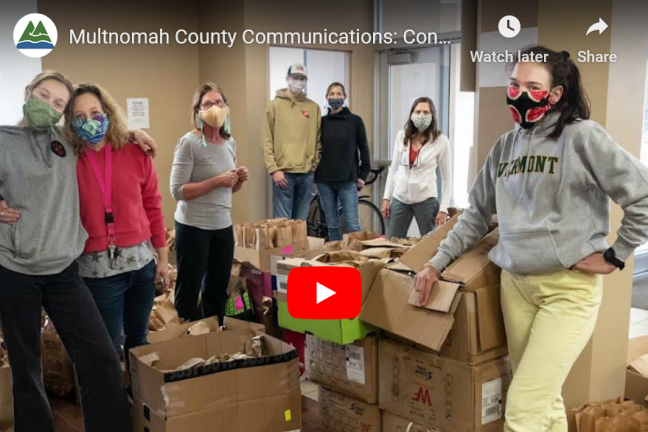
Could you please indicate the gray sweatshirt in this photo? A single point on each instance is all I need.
(551, 199)
(193, 163)
(38, 177)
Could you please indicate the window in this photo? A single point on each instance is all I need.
(462, 119)
(324, 67)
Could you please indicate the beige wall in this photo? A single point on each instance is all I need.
(166, 74)
(243, 73)
(169, 74)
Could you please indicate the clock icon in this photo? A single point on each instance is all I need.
(509, 26)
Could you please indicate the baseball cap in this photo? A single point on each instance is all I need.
(297, 69)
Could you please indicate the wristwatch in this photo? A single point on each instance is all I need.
(610, 256)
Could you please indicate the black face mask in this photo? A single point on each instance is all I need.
(335, 103)
(527, 108)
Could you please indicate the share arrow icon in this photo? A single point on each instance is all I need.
(600, 26)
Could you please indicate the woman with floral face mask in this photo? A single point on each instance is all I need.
(121, 209)
(41, 236)
(549, 180)
(411, 190)
(345, 163)
(203, 178)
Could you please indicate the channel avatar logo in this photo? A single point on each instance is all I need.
(35, 35)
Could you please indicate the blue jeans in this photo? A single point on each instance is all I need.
(126, 300)
(345, 193)
(293, 202)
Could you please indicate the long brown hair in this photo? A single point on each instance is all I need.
(117, 133)
(574, 104)
(197, 99)
(431, 133)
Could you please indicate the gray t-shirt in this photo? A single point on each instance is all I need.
(194, 162)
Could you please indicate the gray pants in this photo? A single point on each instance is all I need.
(401, 215)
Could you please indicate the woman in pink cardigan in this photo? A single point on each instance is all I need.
(121, 208)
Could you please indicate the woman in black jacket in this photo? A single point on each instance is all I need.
(344, 165)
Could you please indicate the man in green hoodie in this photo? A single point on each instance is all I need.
(291, 145)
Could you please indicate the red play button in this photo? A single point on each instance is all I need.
(324, 293)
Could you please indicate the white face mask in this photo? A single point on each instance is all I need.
(421, 122)
(296, 86)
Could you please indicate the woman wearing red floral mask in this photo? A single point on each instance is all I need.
(549, 180)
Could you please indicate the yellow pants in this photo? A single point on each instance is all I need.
(549, 319)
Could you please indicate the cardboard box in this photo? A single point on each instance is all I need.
(338, 331)
(251, 395)
(440, 393)
(6, 396)
(351, 369)
(262, 259)
(417, 256)
(636, 384)
(339, 413)
(393, 423)
(463, 320)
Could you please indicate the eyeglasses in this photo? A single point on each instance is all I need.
(206, 105)
(405, 160)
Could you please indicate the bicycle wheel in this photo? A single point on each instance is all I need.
(369, 217)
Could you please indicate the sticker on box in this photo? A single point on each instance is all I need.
(355, 364)
(282, 284)
(491, 401)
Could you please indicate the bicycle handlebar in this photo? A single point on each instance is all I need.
(376, 173)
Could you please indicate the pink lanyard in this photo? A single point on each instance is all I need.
(105, 185)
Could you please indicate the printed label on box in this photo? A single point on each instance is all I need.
(282, 284)
(491, 401)
(355, 369)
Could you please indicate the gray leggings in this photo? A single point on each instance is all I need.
(401, 215)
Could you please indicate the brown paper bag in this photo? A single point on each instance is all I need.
(299, 232)
(163, 313)
(249, 238)
(283, 236)
(333, 246)
(262, 238)
(239, 236)
(340, 256)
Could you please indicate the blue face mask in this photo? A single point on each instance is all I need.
(91, 130)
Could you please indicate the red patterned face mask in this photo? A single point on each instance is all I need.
(527, 107)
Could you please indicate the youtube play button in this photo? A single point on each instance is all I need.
(324, 293)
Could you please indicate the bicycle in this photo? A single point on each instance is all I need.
(368, 212)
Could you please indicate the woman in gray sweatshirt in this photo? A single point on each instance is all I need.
(549, 180)
(41, 236)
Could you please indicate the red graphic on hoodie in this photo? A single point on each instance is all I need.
(306, 113)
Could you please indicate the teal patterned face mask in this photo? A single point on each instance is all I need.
(91, 130)
(39, 114)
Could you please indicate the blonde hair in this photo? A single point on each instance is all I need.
(197, 99)
(44, 76)
(117, 133)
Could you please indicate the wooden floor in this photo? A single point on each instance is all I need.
(67, 416)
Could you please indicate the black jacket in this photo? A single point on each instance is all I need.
(345, 151)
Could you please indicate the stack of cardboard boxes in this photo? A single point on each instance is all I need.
(443, 365)
(259, 247)
(342, 355)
